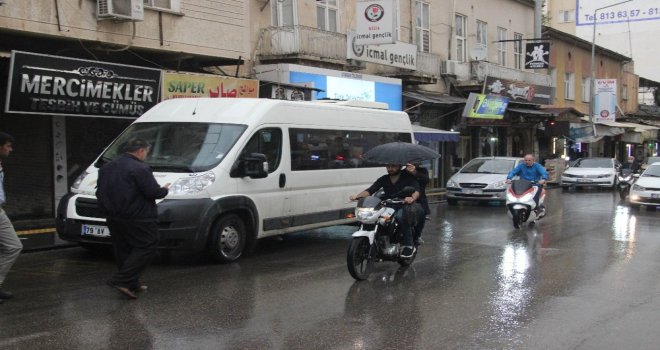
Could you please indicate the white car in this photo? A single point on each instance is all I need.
(481, 179)
(646, 189)
(600, 172)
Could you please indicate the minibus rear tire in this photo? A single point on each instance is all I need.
(227, 239)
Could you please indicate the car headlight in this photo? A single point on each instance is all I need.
(637, 187)
(498, 185)
(79, 180)
(192, 184)
(452, 183)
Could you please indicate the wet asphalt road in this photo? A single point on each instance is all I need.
(586, 277)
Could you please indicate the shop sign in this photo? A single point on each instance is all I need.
(290, 94)
(54, 85)
(537, 55)
(179, 85)
(399, 54)
(579, 131)
(519, 91)
(605, 100)
(375, 22)
(485, 106)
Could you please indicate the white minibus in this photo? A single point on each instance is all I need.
(243, 169)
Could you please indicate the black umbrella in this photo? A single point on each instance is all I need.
(400, 153)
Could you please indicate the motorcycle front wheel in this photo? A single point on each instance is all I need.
(359, 258)
(518, 218)
(623, 193)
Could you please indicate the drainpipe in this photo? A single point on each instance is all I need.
(538, 10)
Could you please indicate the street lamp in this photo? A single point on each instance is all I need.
(592, 98)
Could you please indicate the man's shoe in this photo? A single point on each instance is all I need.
(140, 289)
(408, 252)
(123, 290)
(5, 294)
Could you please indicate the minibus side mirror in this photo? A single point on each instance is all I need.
(253, 165)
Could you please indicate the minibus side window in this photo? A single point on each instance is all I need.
(268, 142)
(319, 149)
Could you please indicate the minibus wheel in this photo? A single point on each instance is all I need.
(227, 239)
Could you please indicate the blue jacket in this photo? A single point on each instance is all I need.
(535, 172)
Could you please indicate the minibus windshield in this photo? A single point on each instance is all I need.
(179, 147)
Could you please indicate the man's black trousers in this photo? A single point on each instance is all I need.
(135, 244)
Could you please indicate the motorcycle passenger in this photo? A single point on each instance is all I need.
(392, 183)
(531, 171)
(631, 164)
(422, 176)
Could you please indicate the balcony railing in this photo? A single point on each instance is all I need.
(302, 43)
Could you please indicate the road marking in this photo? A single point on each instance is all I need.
(36, 231)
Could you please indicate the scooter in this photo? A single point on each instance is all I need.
(520, 202)
(626, 180)
(378, 238)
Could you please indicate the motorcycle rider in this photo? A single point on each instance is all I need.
(422, 175)
(392, 183)
(531, 171)
(631, 164)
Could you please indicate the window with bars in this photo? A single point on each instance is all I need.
(501, 46)
(566, 16)
(327, 15)
(461, 38)
(282, 12)
(482, 34)
(569, 86)
(171, 5)
(586, 89)
(518, 57)
(422, 26)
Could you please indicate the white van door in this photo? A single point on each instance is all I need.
(269, 194)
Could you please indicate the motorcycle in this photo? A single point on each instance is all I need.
(378, 237)
(626, 180)
(520, 202)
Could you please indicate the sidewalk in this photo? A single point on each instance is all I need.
(39, 234)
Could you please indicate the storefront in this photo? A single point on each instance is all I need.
(334, 84)
(62, 113)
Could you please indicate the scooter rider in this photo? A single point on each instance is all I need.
(393, 183)
(531, 171)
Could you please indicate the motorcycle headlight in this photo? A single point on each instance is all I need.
(364, 214)
(637, 187)
(192, 184)
(452, 183)
(79, 180)
(625, 178)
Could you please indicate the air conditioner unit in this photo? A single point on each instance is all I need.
(131, 10)
(457, 68)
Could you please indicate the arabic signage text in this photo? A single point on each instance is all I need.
(178, 85)
(53, 85)
(519, 91)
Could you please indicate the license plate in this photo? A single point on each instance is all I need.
(95, 230)
(472, 191)
(583, 180)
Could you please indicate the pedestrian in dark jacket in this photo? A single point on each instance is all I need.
(127, 193)
(422, 176)
(10, 244)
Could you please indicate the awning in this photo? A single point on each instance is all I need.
(434, 98)
(425, 134)
(604, 130)
(532, 112)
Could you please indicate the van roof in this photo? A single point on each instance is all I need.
(254, 111)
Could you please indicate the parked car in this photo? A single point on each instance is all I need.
(646, 189)
(649, 161)
(481, 179)
(592, 171)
